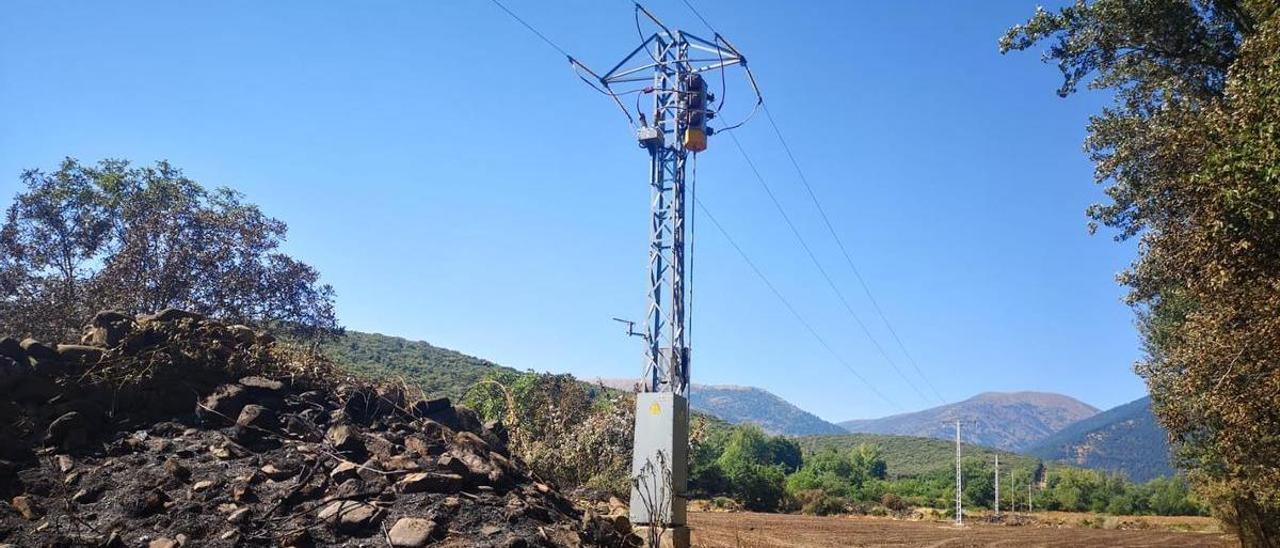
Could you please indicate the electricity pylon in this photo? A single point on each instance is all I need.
(997, 485)
(959, 481)
(672, 64)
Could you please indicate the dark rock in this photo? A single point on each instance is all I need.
(345, 439)
(262, 384)
(254, 416)
(44, 359)
(424, 408)
(176, 469)
(107, 329)
(11, 348)
(140, 505)
(226, 402)
(430, 482)
(67, 432)
(11, 371)
(344, 471)
(79, 354)
(243, 334)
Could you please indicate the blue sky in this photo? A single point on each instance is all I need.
(455, 182)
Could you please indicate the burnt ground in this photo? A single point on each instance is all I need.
(173, 430)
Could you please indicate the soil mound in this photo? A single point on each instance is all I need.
(172, 429)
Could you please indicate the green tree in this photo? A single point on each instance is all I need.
(111, 236)
(752, 475)
(1188, 152)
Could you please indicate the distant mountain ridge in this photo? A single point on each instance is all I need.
(738, 404)
(1011, 421)
(1125, 439)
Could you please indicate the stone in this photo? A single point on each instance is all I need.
(86, 496)
(276, 473)
(344, 471)
(176, 469)
(169, 315)
(430, 482)
(349, 515)
(67, 432)
(79, 354)
(452, 464)
(202, 485)
(65, 463)
(411, 532)
(164, 542)
(243, 334)
(240, 515)
(344, 438)
(262, 383)
(27, 507)
(255, 416)
(223, 404)
(418, 445)
(37, 350)
(107, 329)
(425, 408)
(11, 348)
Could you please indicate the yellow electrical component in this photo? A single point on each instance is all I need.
(695, 139)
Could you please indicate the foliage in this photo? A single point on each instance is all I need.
(907, 456)
(566, 432)
(437, 371)
(1190, 152)
(110, 236)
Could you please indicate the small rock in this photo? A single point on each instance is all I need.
(256, 416)
(262, 383)
(344, 438)
(27, 507)
(344, 471)
(114, 541)
(349, 515)
(425, 408)
(176, 469)
(164, 542)
(169, 315)
(411, 532)
(223, 404)
(202, 485)
(86, 496)
(490, 530)
(79, 354)
(70, 431)
(65, 463)
(239, 516)
(430, 482)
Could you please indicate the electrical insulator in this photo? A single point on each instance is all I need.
(695, 113)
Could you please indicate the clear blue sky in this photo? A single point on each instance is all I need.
(448, 174)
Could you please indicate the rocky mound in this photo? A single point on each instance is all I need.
(171, 429)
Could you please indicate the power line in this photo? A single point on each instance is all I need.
(533, 30)
(845, 252)
(814, 258)
(700, 17)
(785, 302)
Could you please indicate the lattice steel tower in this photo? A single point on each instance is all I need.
(670, 66)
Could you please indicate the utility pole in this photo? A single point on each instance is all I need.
(997, 485)
(669, 65)
(959, 481)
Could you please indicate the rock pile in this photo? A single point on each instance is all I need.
(173, 430)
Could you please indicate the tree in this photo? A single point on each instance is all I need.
(138, 240)
(1189, 151)
(747, 463)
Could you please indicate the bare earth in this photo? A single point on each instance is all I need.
(744, 529)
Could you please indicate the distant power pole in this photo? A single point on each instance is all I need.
(997, 485)
(959, 482)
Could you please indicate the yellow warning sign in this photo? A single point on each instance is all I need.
(655, 409)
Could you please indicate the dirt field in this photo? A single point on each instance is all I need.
(748, 530)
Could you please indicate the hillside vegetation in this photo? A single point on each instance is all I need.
(437, 371)
(907, 456)
(1125, 439)
(1011, 421)
(774, 415)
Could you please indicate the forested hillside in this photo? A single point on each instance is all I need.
(1124, 439)
(907, 456)
(438, 371)
(739, 404)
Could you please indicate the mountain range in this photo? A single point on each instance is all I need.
(1048, 426)
(1005, 420)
